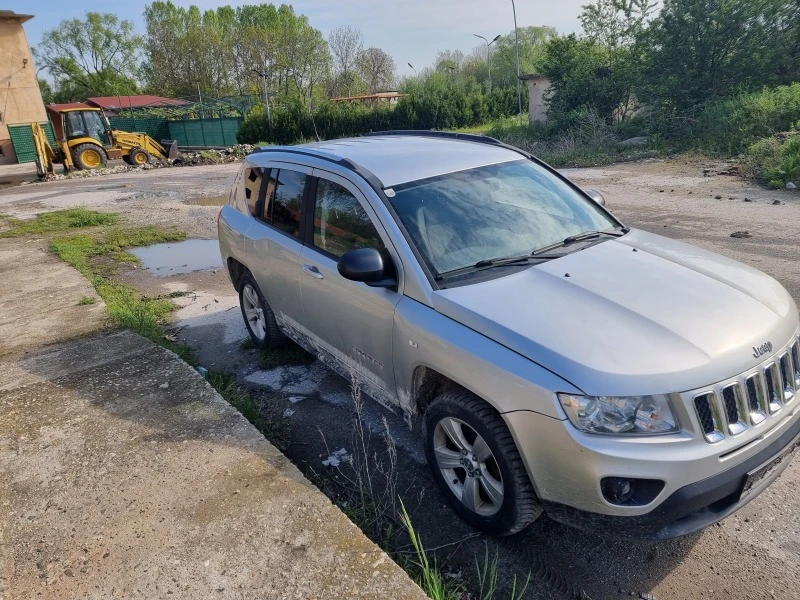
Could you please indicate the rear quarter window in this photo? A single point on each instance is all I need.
(253, 182)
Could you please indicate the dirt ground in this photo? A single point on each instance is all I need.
(752, 554)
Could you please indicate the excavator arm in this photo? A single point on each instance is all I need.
(130, 141)
(45, 155)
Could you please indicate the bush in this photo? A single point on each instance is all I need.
(435, 108)
(730, 126)
(775, 161)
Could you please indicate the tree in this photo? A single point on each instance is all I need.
(98, 55)
(47, 91)
(377, 69)
(346, 44)
(616, 23)
(583, 76)
(532, 42)
(706, 49)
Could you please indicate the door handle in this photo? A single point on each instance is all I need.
(313, 271)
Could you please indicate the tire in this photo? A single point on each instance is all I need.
(89, 156)
(127, 160)
(462, 415)
(258, 316)
(138, 157)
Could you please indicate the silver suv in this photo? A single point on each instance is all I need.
(559, 360)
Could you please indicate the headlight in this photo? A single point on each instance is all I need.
(614, 415)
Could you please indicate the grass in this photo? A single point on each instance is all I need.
(58, 221)
(91, 235)
(288, 355)
(774, 161)
(271, 425)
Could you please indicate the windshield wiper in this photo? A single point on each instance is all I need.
(510, 260)
(580, 237)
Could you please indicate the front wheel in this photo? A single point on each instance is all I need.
(477, 465)
(89, 156)
(138, 157)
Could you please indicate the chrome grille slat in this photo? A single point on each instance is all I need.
(732, 400)
(756, 398)
(795, 352)
(787, 375)
(774, 385)
(706, 409)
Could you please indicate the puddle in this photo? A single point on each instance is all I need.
(180, 257)
(212, 201)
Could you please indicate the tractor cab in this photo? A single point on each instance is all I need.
(86, 123)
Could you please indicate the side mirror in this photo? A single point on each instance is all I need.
(596, 196)
(365, 265)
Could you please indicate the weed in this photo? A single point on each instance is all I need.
(429, 577)
(774, 161)
(86, 300)
(288, 355)
(242, 400)
(247, 344)
(487, 578)
(58, 221)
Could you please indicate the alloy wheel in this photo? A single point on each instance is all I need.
(468, 466)
(253, 312)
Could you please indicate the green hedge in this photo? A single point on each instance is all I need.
(441, 109)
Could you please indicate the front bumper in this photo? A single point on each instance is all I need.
(695, 506)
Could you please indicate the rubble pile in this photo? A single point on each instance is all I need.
(185, 159)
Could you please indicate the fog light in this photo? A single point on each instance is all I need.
(617, 490)
(630, 492)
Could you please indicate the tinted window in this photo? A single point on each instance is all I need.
(284, 200)
(253, 178)
(340, 222)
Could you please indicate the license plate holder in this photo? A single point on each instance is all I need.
(758, 474)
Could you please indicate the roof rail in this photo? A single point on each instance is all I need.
(365, 174)
(470, 137)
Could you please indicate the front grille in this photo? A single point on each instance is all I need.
(752, 399)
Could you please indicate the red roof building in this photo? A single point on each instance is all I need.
(112, 104)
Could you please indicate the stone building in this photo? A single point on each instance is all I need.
(20, 98)
(538, 86)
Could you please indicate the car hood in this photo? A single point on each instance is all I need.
(640, 314)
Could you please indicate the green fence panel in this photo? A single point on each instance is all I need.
(158, 129)
(205, 133)
(22, 140)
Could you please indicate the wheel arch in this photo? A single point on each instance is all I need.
(236, 270)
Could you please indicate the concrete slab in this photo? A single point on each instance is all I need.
(39, 297)
(124, 474)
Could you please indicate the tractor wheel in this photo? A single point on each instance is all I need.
(138, 157)
(89, 156)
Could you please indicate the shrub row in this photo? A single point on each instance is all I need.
(439, 109)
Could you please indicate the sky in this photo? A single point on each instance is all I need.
(409, 30)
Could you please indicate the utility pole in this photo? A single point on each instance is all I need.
(516, 39)
(488, 56)
(264, 76)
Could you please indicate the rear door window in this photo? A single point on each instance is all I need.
(284, 200)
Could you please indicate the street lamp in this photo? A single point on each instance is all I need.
(516, 38)
(488, 56)
(412, 67)
(265, 76)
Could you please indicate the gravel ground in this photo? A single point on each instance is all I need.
(753, 554)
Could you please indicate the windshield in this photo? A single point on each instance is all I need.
(507, 209)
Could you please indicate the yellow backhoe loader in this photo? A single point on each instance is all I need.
(85, 140)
